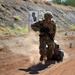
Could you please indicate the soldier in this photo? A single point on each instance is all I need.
(34, 17)
(47, 29)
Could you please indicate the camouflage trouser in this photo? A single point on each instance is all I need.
(46, 51)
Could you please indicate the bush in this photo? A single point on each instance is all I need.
(12, 26)
(66, 2)
(56, 1)
(17, 29)
(71, 26)
(20, 30)
(17, 18)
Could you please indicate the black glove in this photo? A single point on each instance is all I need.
(43, 29)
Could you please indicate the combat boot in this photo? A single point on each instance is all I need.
(41, 58)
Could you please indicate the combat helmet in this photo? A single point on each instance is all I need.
(48, 14)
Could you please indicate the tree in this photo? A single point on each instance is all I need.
(56, 1)
(70, 2)
(66, 2)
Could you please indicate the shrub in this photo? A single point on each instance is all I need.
(72, 26)
(17, 18)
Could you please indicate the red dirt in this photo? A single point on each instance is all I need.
(20, 56)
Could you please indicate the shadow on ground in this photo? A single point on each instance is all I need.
(34, 69)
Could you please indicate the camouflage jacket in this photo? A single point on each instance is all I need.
(51, 26)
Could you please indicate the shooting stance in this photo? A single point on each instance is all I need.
(47, 29)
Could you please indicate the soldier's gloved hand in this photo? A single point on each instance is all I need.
(46, 30)
(42, 30)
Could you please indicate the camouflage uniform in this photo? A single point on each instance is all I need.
(44, 38)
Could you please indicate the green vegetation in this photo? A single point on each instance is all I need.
(2, 25)
(12, 26)
(17, 17)
(66, 2)
(69, 2)
(21, 30)
(13, 31)
(56, 1)
(71, 26)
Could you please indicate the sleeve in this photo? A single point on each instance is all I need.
(36, 26)
(54, 28)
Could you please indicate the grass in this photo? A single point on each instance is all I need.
(71, 26)
(13, 31)
(17, 17)
(21, 30)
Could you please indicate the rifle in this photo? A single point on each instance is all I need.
(46, 30)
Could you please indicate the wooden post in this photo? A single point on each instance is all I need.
(70, 45)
